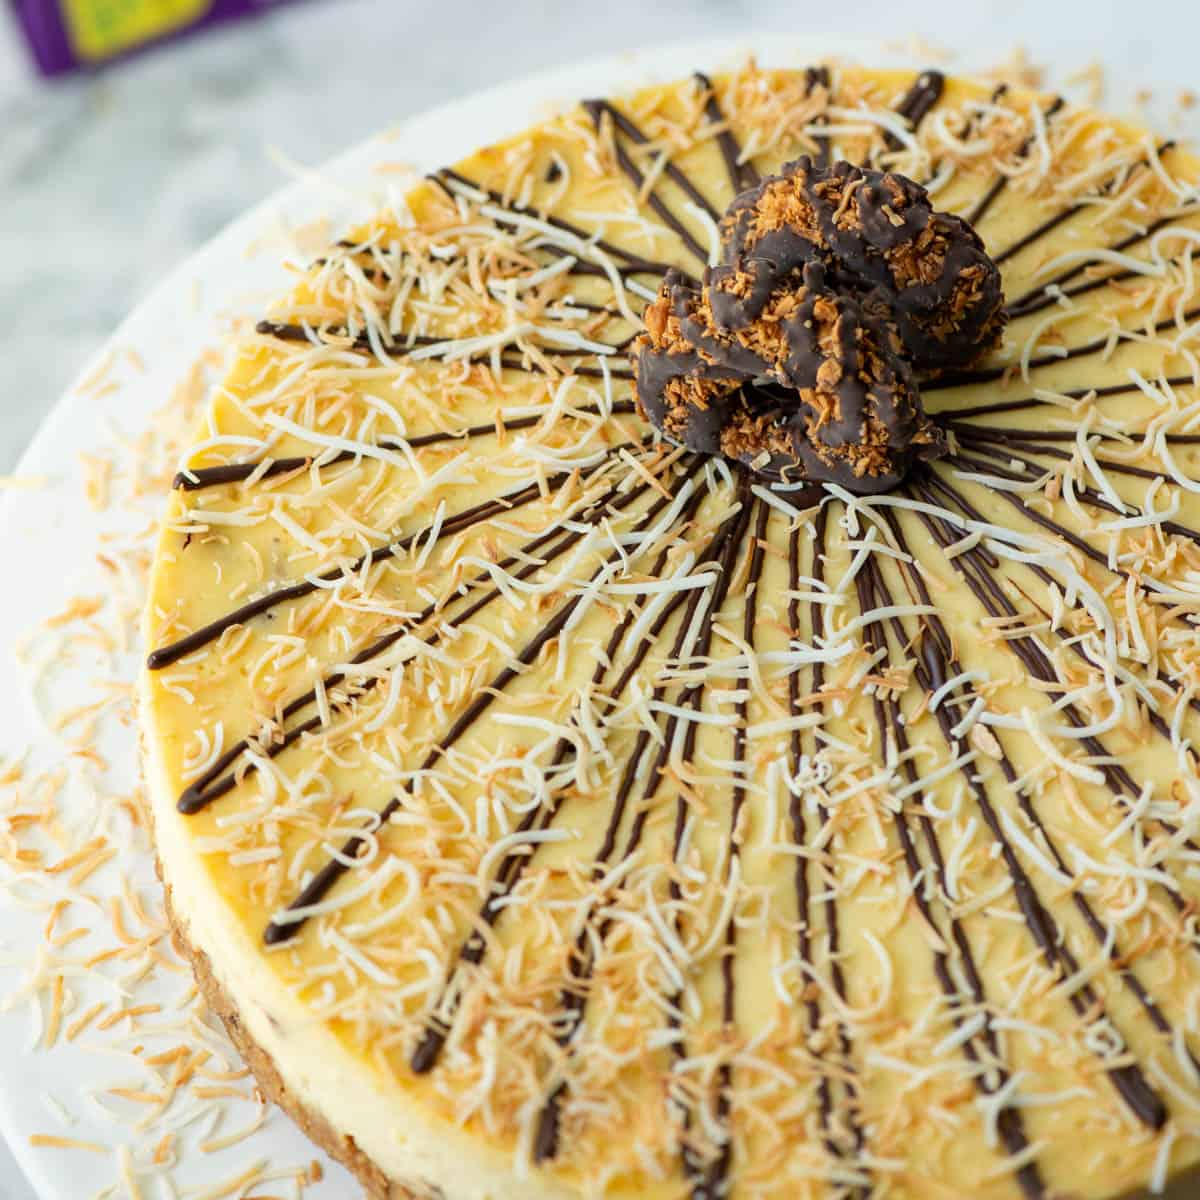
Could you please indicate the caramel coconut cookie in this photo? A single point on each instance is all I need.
(836, 285)
(876, 234)
(835, 397)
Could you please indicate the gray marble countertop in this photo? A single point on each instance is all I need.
(107, 182)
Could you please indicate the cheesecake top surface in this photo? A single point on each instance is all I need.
(670, 828)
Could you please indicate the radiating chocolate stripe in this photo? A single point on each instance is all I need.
(670, 170)
(164, 656)
(197, 478)
(891, 725)
(803, 889)
(215, 782)
(1087, 495)
(940, 483)
(1120, 783)
(985, 202)
(709, 1179)
(635, 264)
(361, 343)
(597, 110)
(1031, 436)
(573, 997)
(1026, 402)
(815, 77)
(471, 951)
(1093, 498)
(509, 360)
(917, 102)
(706, 1177)
(742, 175)
(825, 1097)
(1128, 1080)
(1096, 346)
(1036, 299)
(1040, 667)
(335, 868)
(994, 600)
(1050, 224)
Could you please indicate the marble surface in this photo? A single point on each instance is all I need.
(107, 182)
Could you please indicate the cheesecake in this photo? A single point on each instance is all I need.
(586, 762)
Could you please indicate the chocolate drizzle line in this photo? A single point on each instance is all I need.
(1037, 299)
(742, 175)
(1095, 346)
(1128, 1079)
(916, 103)
(1120, 783)
(709, 1178)
(844, 1067)
(598, 110)
(1090, 497)
(215, 782)
(512, 867)
(1061, 531)
(985, 202)
(171, 653)
(299, 333)
(1065, 214)
(722, 550)
(960, 415)
(335, 868)
(990, 1074)
(1034, 659)
(635, 135)
(635, 264)
(197, 478)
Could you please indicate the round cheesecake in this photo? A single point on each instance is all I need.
(554, 809)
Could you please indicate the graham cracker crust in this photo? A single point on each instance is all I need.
(338, 1146)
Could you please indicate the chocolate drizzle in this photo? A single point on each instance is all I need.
(198, 478)
(982, 1050)
(599, 111)
(707, 1177)
(917, 103)
(280, 930)
(1065, 214)
(742, 173)
(508, 874)
(1127, 1078)
(1099, 345)
(533, 556)
(983, 205)
(723, 551)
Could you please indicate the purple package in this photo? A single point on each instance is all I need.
(73, 35)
